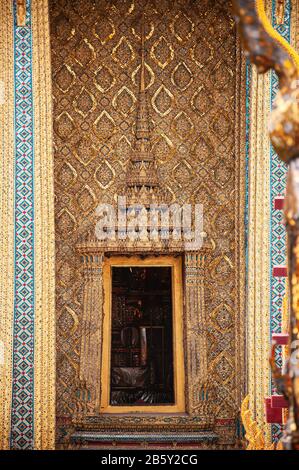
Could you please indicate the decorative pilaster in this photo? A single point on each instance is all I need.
(92, 321)
(196, 333)
(45, 337)
(258, 280)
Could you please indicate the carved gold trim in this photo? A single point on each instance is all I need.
(179, 369)
(44, 343)
(6, 216)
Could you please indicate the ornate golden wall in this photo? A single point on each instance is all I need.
(193, 73)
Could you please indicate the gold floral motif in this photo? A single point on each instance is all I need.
(183, 125)
(104, 126)
(104, 175)
(181, 76)
(182, 27)
(162, 101)
(84, 53)
(124, 101)
(151, 76)
(65, 78)
(84, 103)
(148, 35)
(100, 30)
(157, 51)
(123, 52)
(104, 79)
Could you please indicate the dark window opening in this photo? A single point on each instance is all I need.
(141, 343)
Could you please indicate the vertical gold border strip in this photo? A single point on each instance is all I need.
(6, 217)
(44, 343)
(240, 200)
(258, 301)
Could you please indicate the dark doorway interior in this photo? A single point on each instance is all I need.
(142, 336)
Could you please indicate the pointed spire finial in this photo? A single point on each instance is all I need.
(142, 177)
(142, 122)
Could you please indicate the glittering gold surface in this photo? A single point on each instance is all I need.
(267, 49)
(193, 69)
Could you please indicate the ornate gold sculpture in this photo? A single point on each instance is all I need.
(268, 50)
(21, 12)
(280, 11)
(254, 435)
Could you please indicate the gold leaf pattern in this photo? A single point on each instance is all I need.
(182, 27)
(182, 76)
(123, 52)
(84, 53)
(66, 222)
(123, 101)
(162, 52)
(104, 126)
(104, 175)
(162, 101)
(163, 148)
(86, 199)
(201, 101)
(104, 79)
(67, 175)
(85, 151)
(65, 78)
(104, 30)
(84, 103)
(64, 125)
(183, 126)
(149, 76)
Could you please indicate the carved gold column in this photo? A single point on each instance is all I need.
(45, 338)
(92, 320)
(195, 324)
(258, 293)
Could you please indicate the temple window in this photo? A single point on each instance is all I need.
(142, 318)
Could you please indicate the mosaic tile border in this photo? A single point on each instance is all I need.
(22, 419)
(278, 171)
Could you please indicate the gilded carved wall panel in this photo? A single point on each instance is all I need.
(193, 69)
